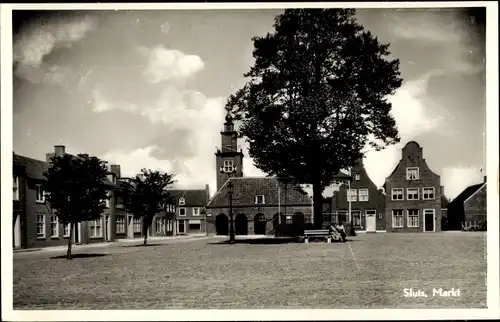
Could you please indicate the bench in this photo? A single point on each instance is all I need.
(320, 233)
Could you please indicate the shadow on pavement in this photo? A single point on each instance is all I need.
(271, 241)
(147, 245)
(79, 256)
(265, 241)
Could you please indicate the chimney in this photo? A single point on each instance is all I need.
(115, 168)
(442, 190)
(48, 157)
(59, 150)
(207, 191)
(484, 179)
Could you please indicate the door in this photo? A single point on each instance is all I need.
(371, 221)
(182, 227)
(130, 230)
(77, 230)
(429, 215)
(17, 231)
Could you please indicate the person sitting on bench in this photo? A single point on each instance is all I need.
(341, 230)
(335, 233)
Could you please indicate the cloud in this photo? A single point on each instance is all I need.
(40, 39)
(164, 64)
(457, 178)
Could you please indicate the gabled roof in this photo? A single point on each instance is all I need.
(464, 195)
(191, 197)
(246, 188)
(33, 169)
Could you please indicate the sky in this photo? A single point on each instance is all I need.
(146, 89)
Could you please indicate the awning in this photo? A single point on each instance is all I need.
(194, 221)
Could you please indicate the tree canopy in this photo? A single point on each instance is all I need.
(76, 189)
(315, 96)
(146, 195)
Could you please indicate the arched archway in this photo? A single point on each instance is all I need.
(299, 223)
(241, 225)
(259, 222)
(222, 224)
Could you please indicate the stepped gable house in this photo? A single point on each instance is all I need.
(256, 201)
(413, 194)
(469, 206)
(366, 201)
(34, 225)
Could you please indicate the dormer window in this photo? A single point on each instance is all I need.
(357, 177)
(259, 200)
(228, 166)
(412, 173)
(182, 201)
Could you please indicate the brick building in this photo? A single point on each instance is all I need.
(361, 197)
(190, 211)
(413, 194)
(256, 205)
(256, 201)
(34, 224)
(469, 206)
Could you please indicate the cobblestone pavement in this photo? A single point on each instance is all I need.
(370, 271)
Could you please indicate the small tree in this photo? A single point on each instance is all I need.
(316, 94)
(76, 190)
(146, 195)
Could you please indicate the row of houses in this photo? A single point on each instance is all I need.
(412, 198)
(35, 224)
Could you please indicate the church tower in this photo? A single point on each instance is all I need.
(229, 161)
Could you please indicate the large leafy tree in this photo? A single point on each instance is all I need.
(146, 195)
(316, 94)
(76, 189)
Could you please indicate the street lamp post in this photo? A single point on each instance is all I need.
(230, 195)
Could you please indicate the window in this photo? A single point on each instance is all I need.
(259, 199)
(159, 225)
(40, 197)
(413, 218)
(96, 228)
(356, 218)
(182, 211)
(196, 211)
(40, 226)
(357, 177)
(397, 218)
(351, 195)
(194, 224)
(428, 193)
(108, 199)
(363, 194)
(342, 216)
(397, 194)
(54, 226)
(120, 224)
(137, 225)
(288, 219)
(412, 194)
(66, 230)
(15, 188)
(412, 173)
(182, 202)
(228, 166)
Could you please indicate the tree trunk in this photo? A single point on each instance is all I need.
(70, 240)
(318, 205)
(146, 223)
